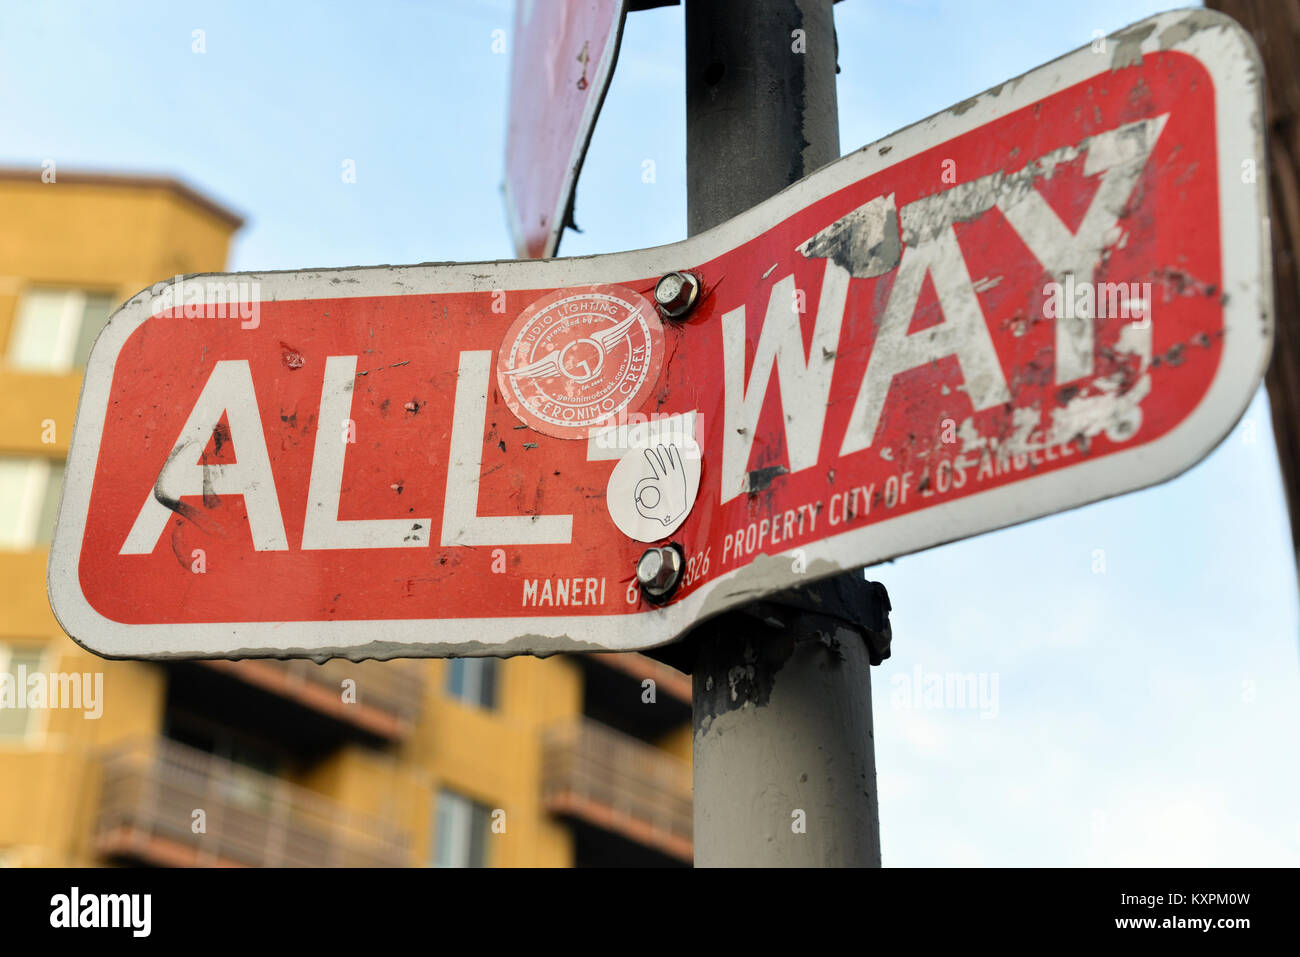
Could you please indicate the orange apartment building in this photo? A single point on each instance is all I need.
(566, 761)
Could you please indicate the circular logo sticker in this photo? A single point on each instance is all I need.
(577, 357)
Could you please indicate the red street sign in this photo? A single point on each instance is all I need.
(561, 64)
(1055, 292)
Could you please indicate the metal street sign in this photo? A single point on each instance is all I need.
(561, 63)
(1052, 293)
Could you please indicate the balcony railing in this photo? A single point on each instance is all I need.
(388, 693)
(618, 783)
(152, 789)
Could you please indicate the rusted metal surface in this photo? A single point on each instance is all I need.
(893, 353)
(1275, 27)
(562, 59)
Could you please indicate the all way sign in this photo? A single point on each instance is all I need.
(1052, 293)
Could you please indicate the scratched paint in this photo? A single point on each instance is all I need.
(877, 364)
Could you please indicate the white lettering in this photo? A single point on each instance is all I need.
(461, 522)
(805, 382)
(229, 390)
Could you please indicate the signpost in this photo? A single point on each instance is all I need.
(1052, 293)
(561, 62)
(782, 740)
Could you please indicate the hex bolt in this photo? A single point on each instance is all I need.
(658, 572)
(675, 294)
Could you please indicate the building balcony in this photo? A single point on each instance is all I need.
(617, 784)
(151, 790)
(614, 686)
(387, 699)
(668, 680)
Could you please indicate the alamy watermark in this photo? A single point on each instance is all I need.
(133, 912)
(208, 299)
(946, 690)
(627, 430)
(1097, 300)
(41, 690)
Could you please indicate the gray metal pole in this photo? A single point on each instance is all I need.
(761, 111)
(785, 770)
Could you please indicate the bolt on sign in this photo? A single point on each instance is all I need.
(561, 63)
(1052, 293)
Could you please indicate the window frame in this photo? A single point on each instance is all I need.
(474, 681)
(468, 819)
(69, 341)
(34, 505)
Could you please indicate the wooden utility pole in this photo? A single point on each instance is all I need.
(1275, 26)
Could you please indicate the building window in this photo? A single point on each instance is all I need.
(473, 680)
(29, 500)
(17, 722)
(461, 831)
(55, 328)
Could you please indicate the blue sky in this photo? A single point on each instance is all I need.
(1147, 714)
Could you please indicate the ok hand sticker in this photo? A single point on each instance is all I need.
(653, 487)
(661, 495)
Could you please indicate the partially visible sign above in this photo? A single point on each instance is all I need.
(1055, 292)
(561, 62)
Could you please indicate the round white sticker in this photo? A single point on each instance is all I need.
(654, 485)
